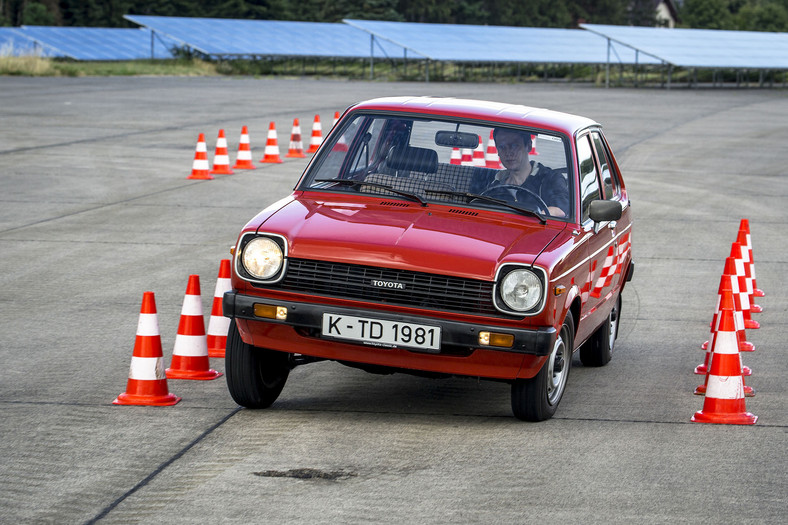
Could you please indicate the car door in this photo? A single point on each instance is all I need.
(601, 240)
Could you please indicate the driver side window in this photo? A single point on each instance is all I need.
(589, 183)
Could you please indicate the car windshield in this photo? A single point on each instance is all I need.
(444, 161)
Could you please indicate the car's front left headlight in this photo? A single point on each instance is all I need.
(262, 258)
(521, 290)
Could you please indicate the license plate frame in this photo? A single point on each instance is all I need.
(381, 332)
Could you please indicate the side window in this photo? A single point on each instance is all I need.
(609, 180)
(589, 185)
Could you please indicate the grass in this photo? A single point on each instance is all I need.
(40, 67)
(384, 70)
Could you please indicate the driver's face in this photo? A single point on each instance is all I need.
(511, 150)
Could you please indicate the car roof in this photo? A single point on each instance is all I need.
(504, 113)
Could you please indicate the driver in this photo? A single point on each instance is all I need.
(513, 147)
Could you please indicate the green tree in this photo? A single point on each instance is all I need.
(762, 16)
(706, 14)
(37, 14)
(432, 11)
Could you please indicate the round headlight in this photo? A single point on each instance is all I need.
(262, 258)
(521, 290)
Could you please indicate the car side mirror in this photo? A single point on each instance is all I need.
(604, 211)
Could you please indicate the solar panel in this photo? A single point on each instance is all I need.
(704, 48)
(473, 43)
(230, 37)
(13, 42)
(99, 43)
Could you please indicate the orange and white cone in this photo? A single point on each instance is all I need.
(724, 402)
(533, 146)
(744, 229)
(727, 289)
(147, 384)
(744, 346)
(296, 148)
(271, 153)
(745, 268)
(244, 159)
(743, 295)
(190, 354)
(317, 135)
(336, 119)
(221, 160)
(456, 157)
(491, 158)
(218, 324)
(478, 154)
(467, 157)
(200, 168)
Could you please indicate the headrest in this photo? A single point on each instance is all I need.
(412, 159)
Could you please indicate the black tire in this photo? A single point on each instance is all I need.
(537, 399)
(598, 351)
(255, 376)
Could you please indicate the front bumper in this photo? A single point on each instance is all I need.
(456, 338)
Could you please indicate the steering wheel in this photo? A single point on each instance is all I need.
(527, 194)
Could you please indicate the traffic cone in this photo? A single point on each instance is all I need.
(744, 228)
(271, 153)
(341, 144)
(744, 296)
(467, 157)
(296, 148)
(727, 288)
(533, 146)
(244, 159)
(200, 168)
(724, 402)
(147, 384)
(221, 160)
(317, 135)
(491, 159)
(336, 119)
(478, 154)
(218, 324)
(745, 268)
(456, 157)
(190, 354)
(744, 345)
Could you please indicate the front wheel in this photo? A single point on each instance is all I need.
(537, 399)
(255, 376)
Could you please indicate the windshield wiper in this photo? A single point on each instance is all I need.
(353, 182)
(471, 196)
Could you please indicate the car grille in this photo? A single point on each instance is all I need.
(420, 290)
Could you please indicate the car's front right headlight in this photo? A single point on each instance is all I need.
(521, 290)
(262, 258)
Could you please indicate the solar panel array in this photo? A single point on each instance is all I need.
(472, 43)
(98, 43)
(230, 37)
(593, 44)
(703, 48)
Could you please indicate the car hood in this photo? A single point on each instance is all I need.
(395, 234)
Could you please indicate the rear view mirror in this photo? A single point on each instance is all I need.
(457, 139)
(604, 211)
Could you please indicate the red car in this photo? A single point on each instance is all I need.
(438, 236)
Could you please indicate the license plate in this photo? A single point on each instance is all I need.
(378, 332)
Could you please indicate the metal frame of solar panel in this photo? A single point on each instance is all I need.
(219, 37)
(100, 43)
(702, 48)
